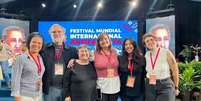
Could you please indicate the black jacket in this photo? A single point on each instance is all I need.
(138, 72)
(48, 55)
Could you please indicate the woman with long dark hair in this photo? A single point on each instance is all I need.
(132, 72)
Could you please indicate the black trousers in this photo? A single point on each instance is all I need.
(109, 97)
(162, 91)
(133, 98)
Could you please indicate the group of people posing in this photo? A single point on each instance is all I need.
(58, 72)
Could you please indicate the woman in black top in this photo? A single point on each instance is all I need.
(80, 80)
(132, 72)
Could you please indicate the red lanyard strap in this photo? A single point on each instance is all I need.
(131, 67)
(37, 62)
(153, 64)
(59, 53)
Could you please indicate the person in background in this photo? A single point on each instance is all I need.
(28, 71)
(24, 47)
(160, 66)
(106, 64)
(56, 56)
(162, 35)
(14, 36)
(5, 54)
(132, 72)
(80, 80)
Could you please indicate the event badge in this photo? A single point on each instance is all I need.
(39, 85)
(59, 69)
(152, 79)
(110, 72)
(130, 81)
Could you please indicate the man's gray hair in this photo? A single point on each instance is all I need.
(51, 28)
(12, 28)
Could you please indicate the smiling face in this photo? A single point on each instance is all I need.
(162, 37)
(83, 53)
(58, 35)
(128, 46)
(104, 41)
(150, 42)
(35, 44)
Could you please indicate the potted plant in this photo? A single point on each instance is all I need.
(190, 74)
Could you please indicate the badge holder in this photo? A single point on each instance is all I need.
(152, 79)
(110, 72)
(59, 69)
(130, 81)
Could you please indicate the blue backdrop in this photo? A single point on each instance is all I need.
(86, 32)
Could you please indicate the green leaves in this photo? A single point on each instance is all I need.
(190, 76)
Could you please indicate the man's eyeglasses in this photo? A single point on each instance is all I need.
(56, 31)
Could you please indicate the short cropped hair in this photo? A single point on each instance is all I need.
(51, 28)
(146, 36)
(12, 28)
(82, 46)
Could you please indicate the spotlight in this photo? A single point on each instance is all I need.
(133, 3)
(74, 6)
(43, 5)
(100, 5)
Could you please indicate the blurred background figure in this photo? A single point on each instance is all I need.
(14, 36)
(162, 34)
(5, 55)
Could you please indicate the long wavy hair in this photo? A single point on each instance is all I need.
(98, 47)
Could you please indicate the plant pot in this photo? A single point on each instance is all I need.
(186, 96)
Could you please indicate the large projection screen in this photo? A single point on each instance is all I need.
(86, 32)
(164, 29)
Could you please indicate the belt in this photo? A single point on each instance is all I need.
(160, 80)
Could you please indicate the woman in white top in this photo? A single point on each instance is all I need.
(161, 67)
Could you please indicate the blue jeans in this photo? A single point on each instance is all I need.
(6, 71)
(54, 94)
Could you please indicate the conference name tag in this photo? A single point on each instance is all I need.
(110, 72)
(152, 79)
(130, 81)
(39, 85)
(59, 69)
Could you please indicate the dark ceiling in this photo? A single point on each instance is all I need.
(63, 9)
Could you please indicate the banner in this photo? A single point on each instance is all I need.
(86, 32)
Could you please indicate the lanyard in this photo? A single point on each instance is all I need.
(153, 64)
(59, 53)
(37, 62)
(130, 67)
(108, 57)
